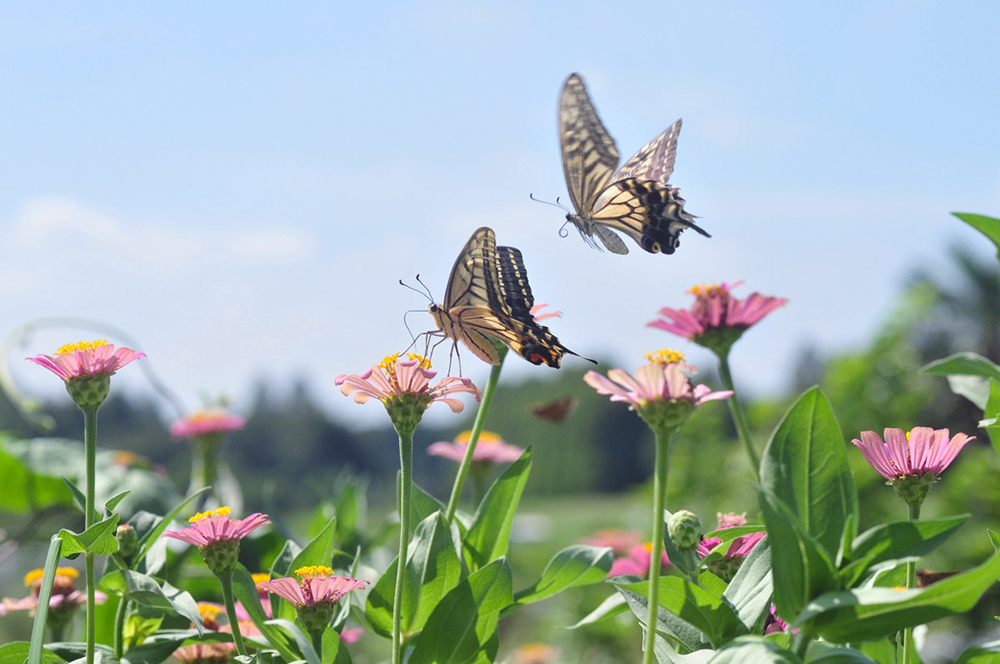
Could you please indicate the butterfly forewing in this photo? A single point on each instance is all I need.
(588, 151)
(654, 160)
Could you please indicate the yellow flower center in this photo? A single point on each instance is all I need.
(81, 345)
(126, 458)
(388, 363)
(665, 356)
(422, 361)
(313, 571)
(260, 577)
(208, 611)
(485, 437)
(37, 574)
(203, 415)
(222, 511)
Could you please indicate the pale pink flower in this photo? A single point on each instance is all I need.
(394, 378)
(636, 562)
(209, 528)
(206, 422)
(714, 310)
(352, 635)
(86, 359)
(730, 519)
(65, 597)
(617, 539)
(318, 585)
(922, 451)
(536, 312)
(663, 379)
(491, 448)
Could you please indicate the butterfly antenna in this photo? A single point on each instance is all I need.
(417, 290)
(556, 204)
(430, 295)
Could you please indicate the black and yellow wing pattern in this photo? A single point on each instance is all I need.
(635, 199)
(488, 296)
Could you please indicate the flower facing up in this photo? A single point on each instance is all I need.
(403, 386)
(206, 423)
(314, 594)
(636, 562)
(491, 449)
(86, 367)
(218, 537)
(63, 602)
(911, 461)
(661, 391)
(717, 319)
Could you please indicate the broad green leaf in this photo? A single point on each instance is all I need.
(465, 621)
(614, 605)
(685, 608)
(112, 503)
(801, 567)
(99, 539)
(282, 565)
(433, 569)
(158, 647)
(146, 591)
(246, 591)
(489, 535)
(26, 489)
(317, 552)
(334, 651)
(988, 226)
(968, 375)
(805, 466)
(577, 565)
(301, 639)
(422, 504)
(17, 653)
(893, 541)
(863, 614)
(753, 650)
(826, 653)
(153, 528)
(750, 591)
(983, 654)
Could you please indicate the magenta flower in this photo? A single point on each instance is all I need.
(218, 537)
(206, 422)
(86, 359)
(315, 595)
(717, 319)
(536, 312)
(636, 562)
(661, 391)
(490, 449)
(911, 461)
(727, 566)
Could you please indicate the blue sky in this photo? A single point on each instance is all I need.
(240, 186)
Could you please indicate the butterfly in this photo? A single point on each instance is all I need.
(553, 411)
(488, 296)
(636, 199)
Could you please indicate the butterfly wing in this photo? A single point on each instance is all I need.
(553, 411)
(650, 213)
(654, 160)
(588, 151)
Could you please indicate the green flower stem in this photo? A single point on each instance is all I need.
(120, 627)
(226, 581)
(90, 447)
(656, 551)
(909, 647)
(477, 428)
(317, 643)
(739, 415)
(406, 484)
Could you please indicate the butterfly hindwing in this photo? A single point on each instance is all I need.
(654, 160)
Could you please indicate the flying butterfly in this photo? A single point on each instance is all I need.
(553, 411)
(488, 296)
(636, 199)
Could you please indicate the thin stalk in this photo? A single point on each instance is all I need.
(120, 627)
(90, 446)
(909, 647)
(477, 428)
(406, 484)
(317, 643)
(226, 581)
(739, 414)
(656, 550)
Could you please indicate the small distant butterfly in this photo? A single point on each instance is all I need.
(553, 411)
(488, 296)
(636, 199)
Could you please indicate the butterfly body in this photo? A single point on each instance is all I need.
(488, 297)
(635, 199)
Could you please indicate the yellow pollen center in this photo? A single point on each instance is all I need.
(485, 437)
(222, 511)
(204, 415)
(388, 363)
(260, 577)
(208, 611)
(422, 361)
(312, 571)
(37, 574)
(665, 356)
(81, 345)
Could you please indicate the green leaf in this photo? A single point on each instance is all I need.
(895, 541)
(465, 621)
(152, 528)
(862, 614)
(992, 414)
(805, 465)
(614, 605)
(577, 565)
(112, 503)
(801, 567)
(99, 539)
(433, 569)
(301, 639)
(17, 653)
(146, 591)
(489, 535)
(753, 650)
(422, 504)
(319, 551)
(826, 653)
(334, 651)
(983, 654)
(26, 489)
(687, 610)
(968, 375)
(44, 593)
(988, 226)
(751, 589)
(246, 591)
(161, 645)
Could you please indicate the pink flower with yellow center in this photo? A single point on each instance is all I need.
(314, 594)
(393, 378)
(63, 601)
(86, 359)
(618, 540)
(206, 422)
(208, 528)
(717, 319)
(636, 561)
(491, 448)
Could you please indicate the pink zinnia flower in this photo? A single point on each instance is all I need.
(352, 635)
(209, 528)
(536, 312)
(636, 562)
(394, 378)
(86, 359)
(491, 448)
(63, 602)
(911, 461)
(717, 319)
(727, 566)
(617, 539)
(206, 422)
(730, 519)
(661, 392)
(315, 595)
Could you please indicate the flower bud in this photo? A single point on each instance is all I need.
(128, 541)
(684, 529)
